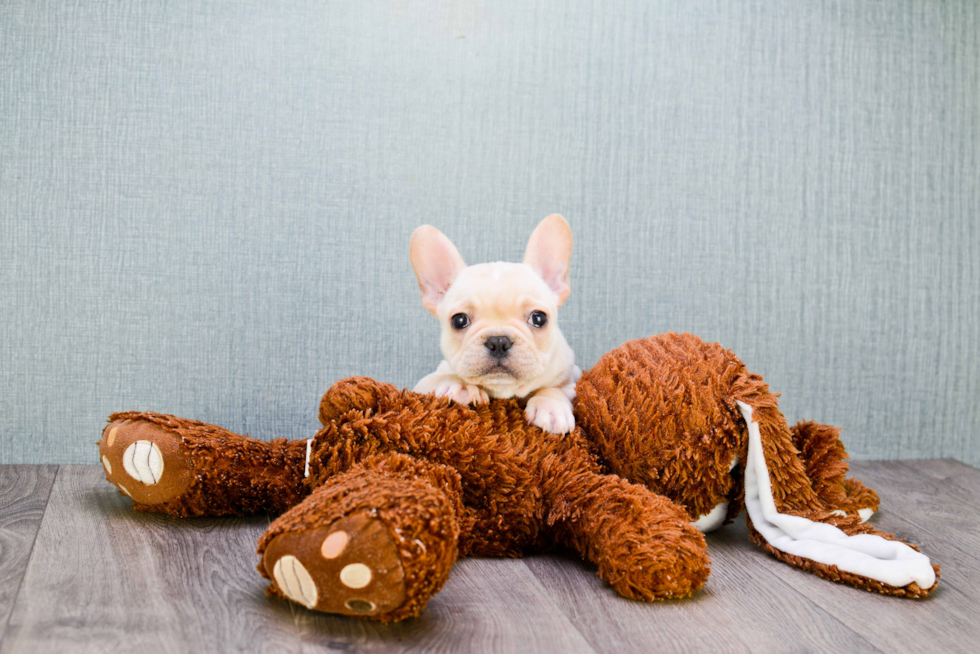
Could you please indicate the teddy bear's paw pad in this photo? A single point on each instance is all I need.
(351, 567)
(294, 581)
(145, 461)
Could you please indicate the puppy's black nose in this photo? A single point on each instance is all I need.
(498, 346)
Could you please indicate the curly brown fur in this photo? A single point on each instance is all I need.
(825, 459)
(361, 394)
(643, 544)
(492, 448)
(655, 409)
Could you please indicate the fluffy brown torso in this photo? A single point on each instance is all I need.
(508, 470)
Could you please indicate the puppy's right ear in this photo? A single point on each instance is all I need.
(436, 262)
(548, 253)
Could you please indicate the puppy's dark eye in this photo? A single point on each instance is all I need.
(460, 321)
(538, 319)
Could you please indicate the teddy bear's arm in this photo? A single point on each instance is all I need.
(188, 468)
(361, 394)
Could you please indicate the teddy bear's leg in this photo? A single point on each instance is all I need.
(824, 457)
(375, 542)
(789, 521)
(188, 468)
(643, 543)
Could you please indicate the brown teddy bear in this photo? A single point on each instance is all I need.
(674, 438)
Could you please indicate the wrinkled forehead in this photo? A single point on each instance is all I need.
(501, 286)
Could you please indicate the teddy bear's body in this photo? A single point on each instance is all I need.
(396, 485)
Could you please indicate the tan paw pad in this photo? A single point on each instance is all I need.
(144, 462)
(334, 544)
(355, 575)
(294, 581)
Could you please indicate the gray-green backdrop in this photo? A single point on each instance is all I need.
(205, 207)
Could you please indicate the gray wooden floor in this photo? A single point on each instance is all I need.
(79, 571)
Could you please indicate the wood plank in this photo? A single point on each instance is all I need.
(743, 608)
(24, 492)
(105, 578)
(946, 470)
(488, 605)
(945, 621)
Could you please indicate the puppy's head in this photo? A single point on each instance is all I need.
(499, 320)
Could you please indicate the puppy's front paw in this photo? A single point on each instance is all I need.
(459, 391)
(551, 414)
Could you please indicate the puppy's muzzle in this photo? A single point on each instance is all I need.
(498, 346)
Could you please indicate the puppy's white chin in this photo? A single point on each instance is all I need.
(502, 379)
(500, 392)
(498, 384)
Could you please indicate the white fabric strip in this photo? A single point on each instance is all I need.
(306, 470)
(890, 562)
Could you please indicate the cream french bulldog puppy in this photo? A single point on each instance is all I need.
(500, 334)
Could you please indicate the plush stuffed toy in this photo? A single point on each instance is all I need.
(674, 438)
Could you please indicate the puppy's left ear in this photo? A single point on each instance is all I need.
(548, 253)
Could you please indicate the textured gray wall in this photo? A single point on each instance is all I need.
(205, 206)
